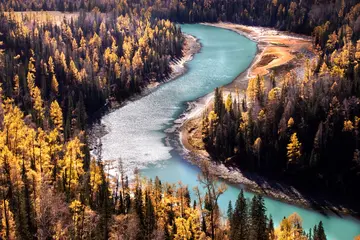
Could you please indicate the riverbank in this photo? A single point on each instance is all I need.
(178, 67)
(279, 53)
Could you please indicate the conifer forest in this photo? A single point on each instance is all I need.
(65, 64)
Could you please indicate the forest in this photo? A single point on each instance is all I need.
(295, 16)
(50, 191)
(301, 129)
(55, 76)
(84, 63)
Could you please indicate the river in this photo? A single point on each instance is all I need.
(142, 131)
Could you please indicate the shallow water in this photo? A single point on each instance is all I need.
(137, 130)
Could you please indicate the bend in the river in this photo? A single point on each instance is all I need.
(136, 131)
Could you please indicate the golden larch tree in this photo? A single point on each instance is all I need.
(294, 149)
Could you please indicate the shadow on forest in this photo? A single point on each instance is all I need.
(282, 188)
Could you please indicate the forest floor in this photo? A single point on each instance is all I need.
(279, 53)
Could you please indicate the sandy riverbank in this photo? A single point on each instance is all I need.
(278, 52)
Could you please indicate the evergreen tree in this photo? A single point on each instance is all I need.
(149, 217)
(258, 219)
(105, 207)
(240, 220)
(319, 232)
(166, 232)
(127, 198)
(230, 211)
(270, 229)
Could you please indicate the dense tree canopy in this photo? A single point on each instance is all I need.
(51, 190)
(84, 62)
(54, 74)
(306, 128)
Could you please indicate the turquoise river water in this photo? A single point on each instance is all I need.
(139, 132)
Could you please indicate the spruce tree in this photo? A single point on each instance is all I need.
(315, 233)
(258, 219)
(105, 207)
(166, 232)
(121, 204)
(127, 198)
(270, 229)
(149, 218)
(310, 237)
(174, 231)
(139, 204)
(320, 234)
(230, 211)
(240, 219)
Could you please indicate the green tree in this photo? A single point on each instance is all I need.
(239, 225)
(258, 229)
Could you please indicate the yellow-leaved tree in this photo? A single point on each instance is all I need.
(56, 115)
(31, 74)
(7, 221)
(256, 89)
(54, 81)
(95, 177)
(38, 104)
(35, 92)
(228, 103)
(293, 149)
(71, 165)
(290, 228)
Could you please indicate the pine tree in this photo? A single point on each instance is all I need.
(127, 199)
(81, 113)
(138, 202)
(230, 212)
(149, 217)
(270, 229)
(218, 102)
(240, 219)
(104, 205)
(68, 119)
(315, 233)
(166, 232)
(258, 219)
(319, 232)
